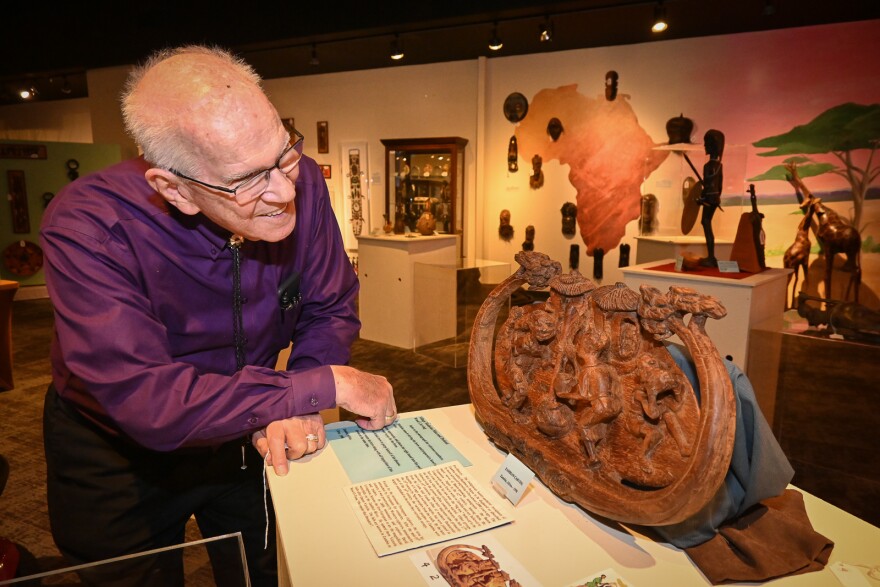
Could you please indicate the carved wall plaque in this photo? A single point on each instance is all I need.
(588, 397)
(18, 204)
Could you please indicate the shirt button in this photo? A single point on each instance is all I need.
(253, 420)
(314, 401)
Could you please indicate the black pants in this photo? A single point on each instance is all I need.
(108, 497)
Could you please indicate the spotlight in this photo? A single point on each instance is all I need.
(314, 61)
(28, 93)
(545, 32)
(396, 48)
(495, 42)
(660, 23)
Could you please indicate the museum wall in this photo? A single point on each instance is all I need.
(750, 86)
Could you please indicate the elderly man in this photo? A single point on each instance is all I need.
(177, 278)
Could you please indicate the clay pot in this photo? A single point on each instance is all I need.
(426, 224)
(679, 129)
(388, 227)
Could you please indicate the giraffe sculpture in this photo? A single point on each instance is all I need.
(797, 257)
(833, 233)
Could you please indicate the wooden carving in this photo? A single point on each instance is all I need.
(590, 399)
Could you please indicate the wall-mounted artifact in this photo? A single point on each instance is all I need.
(516, 106)
(569, 219)
(648, 215)
(554, 129)
(748, 244)
(323, 136)
(72, 166)
(23, 258)
(427, 174)
(512, 155)
(598, 260)
(536, 179)
(47, 197)
(834, 234)
(17, 151)
(611, 85)
(505, 230)
(679, 129)
(354, 182)
(426, 224)
(586, 395)
(574, 257)
(623, 259)
(529, 243)
(18, 204)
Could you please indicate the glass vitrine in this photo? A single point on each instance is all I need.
(425, 174)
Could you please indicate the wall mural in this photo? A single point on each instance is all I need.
(608, 153)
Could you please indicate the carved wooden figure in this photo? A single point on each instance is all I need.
(797, 257)
(833, 233)
(586, 394)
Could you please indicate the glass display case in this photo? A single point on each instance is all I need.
(425, 174)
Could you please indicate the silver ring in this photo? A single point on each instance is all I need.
(311, 438)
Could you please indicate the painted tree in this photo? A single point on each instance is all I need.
(838, 131)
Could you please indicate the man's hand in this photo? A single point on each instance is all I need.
(290, 439)
(365, 394)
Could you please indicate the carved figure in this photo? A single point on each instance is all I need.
(505, 230)
(585, 393)
(611, 85)
(648, 217)
(833, 233)
(512, 154)
(555, 129)
(569, 217)
(536, 179)
(529, 243)
(713, 182)
(797, 256)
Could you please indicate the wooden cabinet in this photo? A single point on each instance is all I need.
(426, 174)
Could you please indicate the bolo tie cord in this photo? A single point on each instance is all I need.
(240, 341)
(238, 337)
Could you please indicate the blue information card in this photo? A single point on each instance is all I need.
(406, 445)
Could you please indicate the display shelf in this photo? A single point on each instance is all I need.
(657, 248)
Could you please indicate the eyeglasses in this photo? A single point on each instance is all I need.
(257, 184)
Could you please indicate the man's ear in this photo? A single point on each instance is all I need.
(168, 184)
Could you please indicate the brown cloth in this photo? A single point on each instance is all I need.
(772, 539)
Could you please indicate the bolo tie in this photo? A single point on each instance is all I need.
(238, 338)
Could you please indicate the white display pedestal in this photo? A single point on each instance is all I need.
(749, 301)
(657, 248)
(388, 304)
(443, 331)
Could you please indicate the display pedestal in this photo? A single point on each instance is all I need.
(443, 332)
(389, 302)
(819, 395)
(657, 248)
(752, 300)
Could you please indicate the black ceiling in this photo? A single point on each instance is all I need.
(51, 48)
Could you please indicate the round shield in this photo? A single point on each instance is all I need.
(516, 106)
(691, 192)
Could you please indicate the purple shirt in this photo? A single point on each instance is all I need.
(144, 312)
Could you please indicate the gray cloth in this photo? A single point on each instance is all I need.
(758, 468)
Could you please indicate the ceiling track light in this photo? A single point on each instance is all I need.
(396, 48)
(314, 61)
(28, 93)
(495, 42)
(545, 32)
(660, 23)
